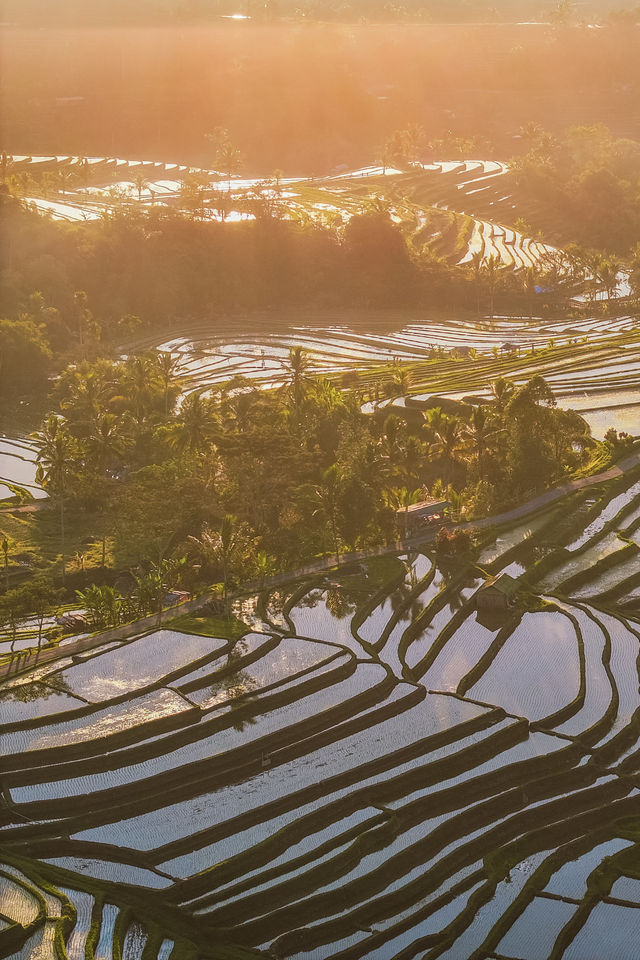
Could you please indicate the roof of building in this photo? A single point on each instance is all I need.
(503, 583)
(425, 508)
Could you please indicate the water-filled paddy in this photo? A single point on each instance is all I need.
(278, 784)
(537, 671)
(137, 664)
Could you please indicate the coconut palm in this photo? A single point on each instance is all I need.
(141, 183)
(228, 158)
(477, 437)
(55, 459)
(399, 382)
(167, 367)
(326, 496)
(529, 283)
(222, 548)
(608, 272)
(502, 391)
(105, 442)
(476, 264)
(297, 369)
(447, 444)
(491, 268)
(194, 426)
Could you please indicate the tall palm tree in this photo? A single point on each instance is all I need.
(400, 381)
(105, 442)
(138, 383)
(529, 282)
(476, 263)
(228, 158)
(5, 550)
(297, 368)
(194, 426)
(491, 267)
(140, 182)
(167, 367)
(502, 390)
(447, 444)
(55, 459)
(608, 276)
(222, 547)
(477, 437)
(326, 496)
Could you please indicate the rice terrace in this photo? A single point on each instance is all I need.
(320, 489)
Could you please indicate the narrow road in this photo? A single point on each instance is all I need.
(24, 661)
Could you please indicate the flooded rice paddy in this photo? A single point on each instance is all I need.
(386, 774)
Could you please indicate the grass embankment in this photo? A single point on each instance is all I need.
(211, 625)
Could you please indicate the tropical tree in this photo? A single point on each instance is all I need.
(228, 158)
(447, 444)
(298, 377)
(477, 437)
(194, 426)
(223, 548)
(608, 272)
(501, 392)
(326, 496)
(529, 283)
(55, 460)
(491, 268)
(167, 367)
(476, 264)
(140, 182)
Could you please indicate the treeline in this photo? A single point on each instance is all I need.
(301, 469)
(76, 292)
(587, 180)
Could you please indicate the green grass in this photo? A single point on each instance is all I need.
(210, 625)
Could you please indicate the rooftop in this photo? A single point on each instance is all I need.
(424, 508)
(503, 583)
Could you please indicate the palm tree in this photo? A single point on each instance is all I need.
(55, 458)
(167, 366)
(297, 370)
(138, 384)
(447, 443)
(502, 391)
(222, 547)
(476, 263)
(478, 436)
(608, 276)
(491, 267)
(529, 283)
(228, 158)
(104, 443)
(326, 495)
(399, 383)
(140, 182)
(194, 426)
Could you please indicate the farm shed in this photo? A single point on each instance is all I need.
(416, 513)
(496, 593)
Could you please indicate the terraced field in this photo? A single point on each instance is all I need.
(17, 469)
(374, 770)
(432, 203)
